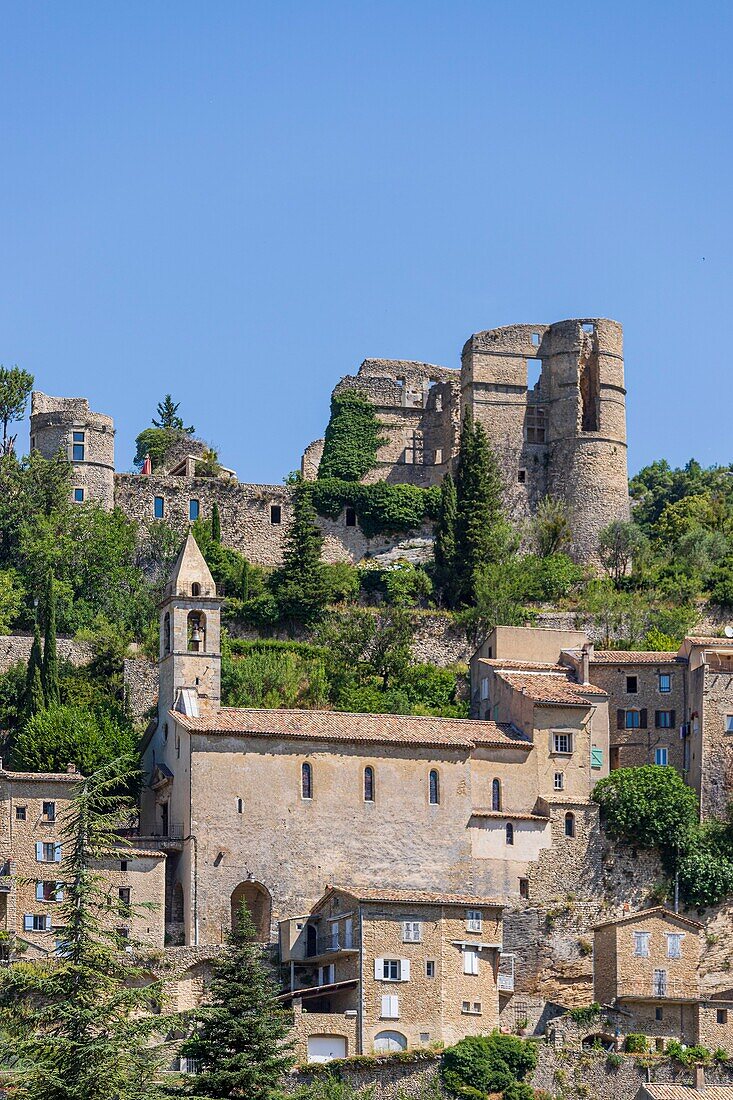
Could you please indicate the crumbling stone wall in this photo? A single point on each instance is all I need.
(52, 424)
(17, 647)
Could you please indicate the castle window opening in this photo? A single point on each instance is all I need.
(78, 446)
(124, 894)
(369, 784)
(658, 1014)
(661, 757)
(536, 339)
(196, 632)
(559, 782)
(434, 788)
(524, 888)
(589, 327)
(562, 743)
(195, 589)
(721, 1016)
(306, 781)
(276, 514)
(437, 456)
(522, 477)
(632, 685)
(240, 805)
(49, 812)
(665, 682)
(259, 902)
(569, 824)
(158, 507)
(534, 372)
(193, 510)
(165, 731)
(351, 517)
(535, 424)
(430, 968)
(78, 496)
(509, 833)
(496, 794)
(21, 813)
(166, 633)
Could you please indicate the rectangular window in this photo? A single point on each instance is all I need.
(664, 719)
(470, 960)
(535, 424)
(665, 682)
(158, 507)
(429, 968)
(48, 852)
(674, 945)
(20, 813)
(350, 517)
(658, 1013)
(729, 723)
(411, 931)
(77, 446)
(49, 811)
(391, 970)
(78, 496)
(276, 514)
(484, 687)
(390, 1007)
(632, 685)
(36, 922)
(522, 477)
(48, 891)
(562, 743)
(641, 944)
(193, 510)
(524, 887)
(661, 757)
(721, 1016)
(632, 719)
(659, 987)
(559, 783)
(125, 894)
(474, 920)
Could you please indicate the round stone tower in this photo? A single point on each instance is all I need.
(86, 438)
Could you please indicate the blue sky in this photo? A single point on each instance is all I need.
(238, 202)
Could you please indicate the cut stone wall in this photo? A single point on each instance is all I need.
(17, 647)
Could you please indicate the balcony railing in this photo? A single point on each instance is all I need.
(659, 988)
(334, 941)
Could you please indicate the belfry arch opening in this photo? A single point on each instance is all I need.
(196, 632)
(590, 385)
(258, 900)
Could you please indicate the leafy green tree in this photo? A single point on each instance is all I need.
(706, 865)
(30, 487)
(446, 560)
(482, 536)
(64, 734)
(352, 439)
(481, 1064)
(272, 678)
(500, 590)
(649, 806)
(551, 531)
(12, 596)
(34, 698)
(618, 545)
(78, 1026)
(215, 523)
(300, 585)
(239, 1037)
(166, 431)
(50, 665)
(15, 388)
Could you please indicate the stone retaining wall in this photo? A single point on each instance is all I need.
(17, 647)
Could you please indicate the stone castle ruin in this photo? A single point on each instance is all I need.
(550, 397)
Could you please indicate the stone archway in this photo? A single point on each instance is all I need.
(259, 902)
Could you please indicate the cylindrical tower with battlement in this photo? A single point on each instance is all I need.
(86, 438)
(552, 401)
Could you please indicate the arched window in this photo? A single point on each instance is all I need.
(509, 833)
(569, 824)
(197, 632)
(259, 903)
(369, 784)
(434, 788)
(496, 794)
(389, 1041)
(306, 781)
(195, 589)
(166, 633)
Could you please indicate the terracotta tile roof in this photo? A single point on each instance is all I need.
(553, 689)
(415, 897)
(632, 657)
(378, 729)
(508, 815)
(656, 910)
(717, 642)
(687, 1092)
(522, 666)
(42, 777)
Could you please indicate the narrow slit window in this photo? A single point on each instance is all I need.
(369, 784)
(306, 781)
(158, 507)
(276, 514)
(496, 794)
(434, 788)
(509, 832)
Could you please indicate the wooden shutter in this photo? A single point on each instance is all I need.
(673, 719)
(47, 921)
(620, 719)
(404, 970)
(378, 969)
(643, 719)
(596, 757)
(28, 922)
(59, 894)
(39, 891)
(39, 851)
(656, 719)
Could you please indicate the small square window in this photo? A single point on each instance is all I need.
(78, 496)
(49, 811)
(589, 327)
(78, 437)
(350, 517)
(21, 813)
(661, 757)
(411, 931)
(562, 743)
(424, 1036)
(276, 514)
(193, 510)
(522, 477)
(632, 685)
(158, 507)
(665, 682)
(429, 968)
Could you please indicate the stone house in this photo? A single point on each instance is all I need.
(381, 970)
(646, 973)
(33, 808)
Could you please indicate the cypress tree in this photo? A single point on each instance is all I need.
(215, 524)
(445, 541)
(300, 586)
(34, 699)
(50, 666)
(239, 1035)
(481, 534)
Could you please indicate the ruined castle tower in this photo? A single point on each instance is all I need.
(86, 438)
(553, 403)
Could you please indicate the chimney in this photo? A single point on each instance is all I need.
(587, 654)
(699, 1077)
(71, 769)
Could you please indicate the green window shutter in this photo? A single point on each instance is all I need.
(596, 758)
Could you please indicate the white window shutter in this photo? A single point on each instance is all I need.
(394, 1006)
(57, 853)
(378, 970)
(404, 970)
(48, 923)
(59, 893)
(385, 1005)
(39, 891)
(28, 922)
(39, 851)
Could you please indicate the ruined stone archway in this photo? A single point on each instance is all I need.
(259, 902)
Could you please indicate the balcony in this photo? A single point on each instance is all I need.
(658, 989)
(505, 976)
(331, 944)
(167, 838)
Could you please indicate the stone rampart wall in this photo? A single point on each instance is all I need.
(17, 647)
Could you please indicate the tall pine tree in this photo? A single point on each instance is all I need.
(445, 542)
(215, 523)
(300, 585)
(34, 700)
(78, 1025)
(50, 666)
(481, 533)
(239, 1036)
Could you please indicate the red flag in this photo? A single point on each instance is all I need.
(147, 466)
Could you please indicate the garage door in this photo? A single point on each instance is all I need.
(322, 1048)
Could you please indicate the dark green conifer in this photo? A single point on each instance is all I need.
(239, 1036)
(215, 524)
(300, 586)
(481, 534)
(50, 665)
(445, 542)
(34, 698)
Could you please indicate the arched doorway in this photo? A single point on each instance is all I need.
(389, 1041)
(259, 902)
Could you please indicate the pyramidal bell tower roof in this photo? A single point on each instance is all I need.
(190, 569)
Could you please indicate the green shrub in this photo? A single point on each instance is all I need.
(489, 1063)
(381, 508)
(614, 1059)
(649, 806)
(635, 1043)
(342, 582)
(65, 735)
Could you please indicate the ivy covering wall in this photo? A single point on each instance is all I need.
(352, 438)
(381, 508)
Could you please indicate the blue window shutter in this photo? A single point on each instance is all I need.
(28, 922)
(39, 891)
(596, 758)
(57, 853)
(39, 851)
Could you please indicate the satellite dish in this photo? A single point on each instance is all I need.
(728, 631)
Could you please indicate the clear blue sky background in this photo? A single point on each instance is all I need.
(238, 202)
